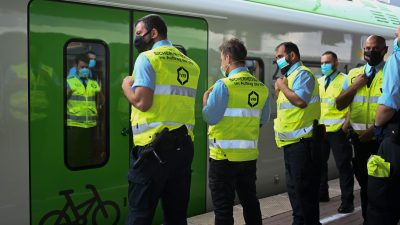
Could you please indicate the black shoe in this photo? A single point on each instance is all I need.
(346, 208)
(324, 198)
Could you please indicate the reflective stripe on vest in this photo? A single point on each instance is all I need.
(82, 98)
(242, 112)
(359, 126)
(332, 121)
(145, 127)
(174, 90)
(288, 105)
(227, 144)
(235, 136)
(176, 78)
(81, 118)
(295, 134)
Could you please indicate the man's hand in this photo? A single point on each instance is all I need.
(280, 83)
(205, 96)
(367, 136)
(360, 81)
(127, 82)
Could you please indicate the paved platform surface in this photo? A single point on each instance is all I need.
(277, 210)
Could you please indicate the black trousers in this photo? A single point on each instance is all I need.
(153, 181)
(225, 178)
(384, 192)
(303, 171)
(342, 153)
(362, 152)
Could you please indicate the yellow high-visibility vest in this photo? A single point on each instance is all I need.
(294, 123)
(81, 105)
(235, 136)
(330, 116)
(176, 78)
(365, 102)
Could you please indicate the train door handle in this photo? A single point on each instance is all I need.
(125, 131)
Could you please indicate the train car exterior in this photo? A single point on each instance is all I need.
(40, 38)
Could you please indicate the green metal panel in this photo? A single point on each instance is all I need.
(364, 11)
(191, 33)
(51, 25)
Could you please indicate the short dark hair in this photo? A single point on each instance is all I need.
(334, 56)
(235, 49)
(154, 21)
(91, 52)
(82, 57)
(289, 47)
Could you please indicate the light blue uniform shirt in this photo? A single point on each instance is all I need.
(303, 84)
(332, 77)
(143, 70)
(391, 80)
(218, 101)
(368, 72)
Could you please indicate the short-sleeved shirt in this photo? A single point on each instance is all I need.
(217, 102)
(144, 75)
(391, 82)
(303, 84)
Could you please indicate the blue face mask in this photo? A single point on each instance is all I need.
(92, 63)
(84, 73)
(395, 45)
(282, 63)
(326, 69)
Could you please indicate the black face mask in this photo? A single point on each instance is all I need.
(141, 45)
(375, 57)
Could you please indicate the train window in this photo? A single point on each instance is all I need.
(86, 108)
(256, 67)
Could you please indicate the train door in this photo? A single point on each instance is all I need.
(190, 35)
(78, 157)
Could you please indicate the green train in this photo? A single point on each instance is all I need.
(39, 40)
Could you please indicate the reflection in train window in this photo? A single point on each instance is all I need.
(86, 111)
(256, 67)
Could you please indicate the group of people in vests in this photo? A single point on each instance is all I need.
(162, 91)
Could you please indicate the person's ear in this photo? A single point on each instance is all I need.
(154, 33)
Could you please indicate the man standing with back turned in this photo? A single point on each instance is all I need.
(361, 91)
(162, 95)
(235, 108)
(298, 106)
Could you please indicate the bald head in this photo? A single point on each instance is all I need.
(374, 49)
(375, 42)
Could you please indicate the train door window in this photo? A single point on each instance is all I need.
(86, 111)
(256, 67)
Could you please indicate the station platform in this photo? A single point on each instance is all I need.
(277, 210)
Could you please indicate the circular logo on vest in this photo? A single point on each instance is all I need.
(183, 75)
(252, 99)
